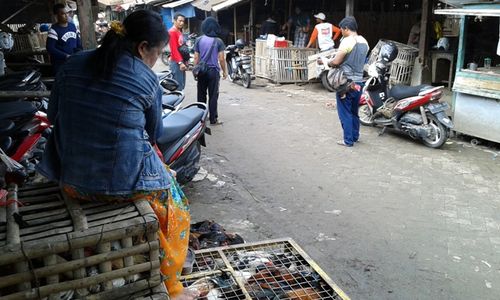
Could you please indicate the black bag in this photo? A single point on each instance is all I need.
(202, 67)
(184, 51)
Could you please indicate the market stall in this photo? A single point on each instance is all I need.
(476, 98)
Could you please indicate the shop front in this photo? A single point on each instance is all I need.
(476, 97)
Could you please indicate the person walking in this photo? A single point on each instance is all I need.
(210, 49)
(351, 59)
(177, 64)
(105, 107)
(63, 38)
(325, 33)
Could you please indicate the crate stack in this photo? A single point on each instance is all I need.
(282, 64)
(54, 247)
(261, 59)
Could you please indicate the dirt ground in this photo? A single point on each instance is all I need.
(386, 219)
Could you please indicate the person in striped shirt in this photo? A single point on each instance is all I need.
(63, 38)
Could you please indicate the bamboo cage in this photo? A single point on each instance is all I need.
(54, 247)
(282, 65)
(402, 67)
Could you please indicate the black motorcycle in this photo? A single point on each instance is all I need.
(239, 67)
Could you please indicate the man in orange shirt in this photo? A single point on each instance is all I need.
(325, 33)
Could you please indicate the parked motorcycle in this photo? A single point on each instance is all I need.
(23, 132)
(413, 110)
(239, 66)
(183, 135)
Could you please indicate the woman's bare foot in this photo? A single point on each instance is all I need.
(186, 295)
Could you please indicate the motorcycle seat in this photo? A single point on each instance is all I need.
(399, 92)
(5, 143)
(177, 124)
(15, 109)
(173, 99)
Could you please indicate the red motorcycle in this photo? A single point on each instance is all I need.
(23, 129)
(413, 110)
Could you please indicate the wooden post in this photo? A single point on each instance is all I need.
(289, 30)
(235, 24)
(86, 24)
(251, 20)
(349, 8)
(418, 69)
(423, 30)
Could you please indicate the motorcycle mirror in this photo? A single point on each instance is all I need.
(169, 84)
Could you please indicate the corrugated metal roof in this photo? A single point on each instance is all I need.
(460, 3)
(483, 9)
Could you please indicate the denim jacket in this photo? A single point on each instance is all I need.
(103, 129)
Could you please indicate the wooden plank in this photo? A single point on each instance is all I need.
(42, 217)
(44, 291)
(89, 238)
(42, 198)
(117, 218)
(86, 20)
(43, 206)
(45, 228)
(48, 233)
(108, 207)
(105, 266)
(24, 94)
(13, 237)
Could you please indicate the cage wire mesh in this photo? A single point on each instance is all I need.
(272, 270)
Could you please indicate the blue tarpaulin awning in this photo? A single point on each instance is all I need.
(168, 13)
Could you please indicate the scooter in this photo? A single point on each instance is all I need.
(183, 135)
(413, 110)
(239, 66)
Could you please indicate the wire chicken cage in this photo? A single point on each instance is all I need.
(275, 269)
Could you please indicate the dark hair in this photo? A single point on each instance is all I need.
(349, 23)
(210, 27)
(177, 15)
(141, 25)
(57, 7)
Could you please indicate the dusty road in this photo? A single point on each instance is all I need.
(386, 219)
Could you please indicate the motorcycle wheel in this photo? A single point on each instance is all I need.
(365, 115)
(440, 135)
(165, 58)
(325, 83)
(246, 79)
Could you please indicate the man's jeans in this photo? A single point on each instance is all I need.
(179, 76)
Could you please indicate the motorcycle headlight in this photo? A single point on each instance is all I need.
(372, 71)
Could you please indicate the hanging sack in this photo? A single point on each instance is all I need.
(202, 67)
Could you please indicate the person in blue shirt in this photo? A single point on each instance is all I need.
(63, 38)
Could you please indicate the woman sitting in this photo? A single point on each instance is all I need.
(106, 110)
